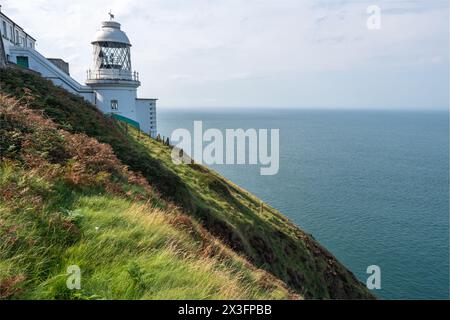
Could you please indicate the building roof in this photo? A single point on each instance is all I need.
(110, 32)
(147, 99)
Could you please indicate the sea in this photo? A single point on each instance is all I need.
(371, 186)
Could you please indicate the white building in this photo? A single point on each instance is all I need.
(14, 36)
(111, 85)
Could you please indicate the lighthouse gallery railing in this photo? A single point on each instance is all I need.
(112, 74)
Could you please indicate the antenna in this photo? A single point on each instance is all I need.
(111, 15)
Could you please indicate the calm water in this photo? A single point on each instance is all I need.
(373, 187)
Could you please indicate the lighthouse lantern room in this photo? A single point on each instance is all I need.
(112, 54)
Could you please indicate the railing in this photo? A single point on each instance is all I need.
(112, 74)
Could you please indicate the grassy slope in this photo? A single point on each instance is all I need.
(266, 238)
(66, 200)
(135, 254)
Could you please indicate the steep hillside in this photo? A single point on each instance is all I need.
(257, 232)
(66, 200)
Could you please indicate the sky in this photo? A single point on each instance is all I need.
(261, 53)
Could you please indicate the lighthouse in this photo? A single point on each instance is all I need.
(115, 83)
(111, 85)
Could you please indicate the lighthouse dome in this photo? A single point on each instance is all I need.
(110, 32)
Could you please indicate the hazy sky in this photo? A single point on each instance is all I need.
(261, 53)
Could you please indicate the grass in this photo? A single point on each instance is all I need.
(230, 215)
(127, 245)
(125, 251)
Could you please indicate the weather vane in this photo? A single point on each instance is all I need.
(111, 15)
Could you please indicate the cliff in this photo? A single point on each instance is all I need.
(78, 188)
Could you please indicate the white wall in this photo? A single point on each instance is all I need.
(143, 108)
(87, 93)
(6, 46)
(126, 96)
(146, 110)
(48, 70)
(153, 120)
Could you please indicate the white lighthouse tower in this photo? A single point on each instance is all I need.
(114, 81)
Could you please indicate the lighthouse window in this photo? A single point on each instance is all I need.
(114, 105)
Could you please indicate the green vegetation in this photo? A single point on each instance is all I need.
(125, 251)
(66, 200)
(146, 247)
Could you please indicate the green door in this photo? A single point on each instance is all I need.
(23, 62)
